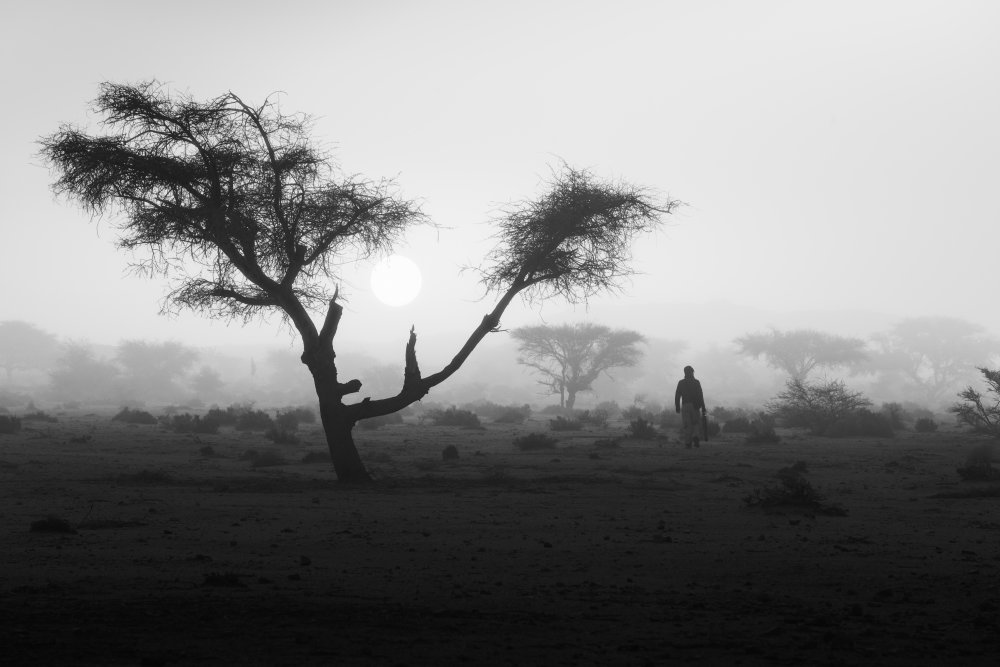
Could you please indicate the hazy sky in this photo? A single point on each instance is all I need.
(834, 155)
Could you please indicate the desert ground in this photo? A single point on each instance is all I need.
(151, 551)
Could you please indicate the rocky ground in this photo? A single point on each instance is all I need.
(150, 549)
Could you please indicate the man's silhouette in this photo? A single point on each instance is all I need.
(690, 401)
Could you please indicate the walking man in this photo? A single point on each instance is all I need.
(689, 401)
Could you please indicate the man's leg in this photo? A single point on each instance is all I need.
(689, 417)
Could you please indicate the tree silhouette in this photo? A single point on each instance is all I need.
(79, 375)
(570, 357)
(800, 351)
(244, 213)
(152, 370)
(24, 346)
(933, 355)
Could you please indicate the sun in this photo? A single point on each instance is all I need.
(396, 280)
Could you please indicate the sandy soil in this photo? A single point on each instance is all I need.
(644, 554)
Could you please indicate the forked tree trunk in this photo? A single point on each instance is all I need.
(340, 440)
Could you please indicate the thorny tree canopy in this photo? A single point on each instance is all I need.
(239, 193)
(574, 241)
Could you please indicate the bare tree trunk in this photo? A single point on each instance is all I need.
(570, 399)
(340, 441)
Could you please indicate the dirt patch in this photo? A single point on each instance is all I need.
(648, 554)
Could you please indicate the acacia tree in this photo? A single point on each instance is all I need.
(933, 354)
(800, 351)
(151, 370)
(570, 357)
(245, 214)
(25, 346)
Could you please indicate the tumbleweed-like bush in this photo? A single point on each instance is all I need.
(535, 441)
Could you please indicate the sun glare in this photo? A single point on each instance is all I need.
(396, 280)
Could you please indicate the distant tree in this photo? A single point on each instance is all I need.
(979, 412)
(207, 382)
(24, 346)
(240, 207)
(800, 351)
(152, 370)
(932, 355)
(571, 356)
(79, 375)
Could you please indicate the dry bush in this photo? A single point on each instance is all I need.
(535, 441)
(816, 406)
(979, 465)
(454, 417)
(641, 429)
(981, 413)
(925, 425)
(134, 416)
(561, 423)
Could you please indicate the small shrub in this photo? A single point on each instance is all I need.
(979, 465)
(454, 417)
(762, 432)
(9, 424)
(610, 408)
(535, 441)
(633, 412)
(378, 422)
(222, 417)
(641, 429)
(506, 414)
(253, 420)
(301, 415)
(134, 416)
(208, 452)
(596, 417)
(669, 420)
(449, 453)
(739, 424)
(561, 423)
(794, 491)
(861, 422)
(925, 425)
(896, 414)
(512, 416)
